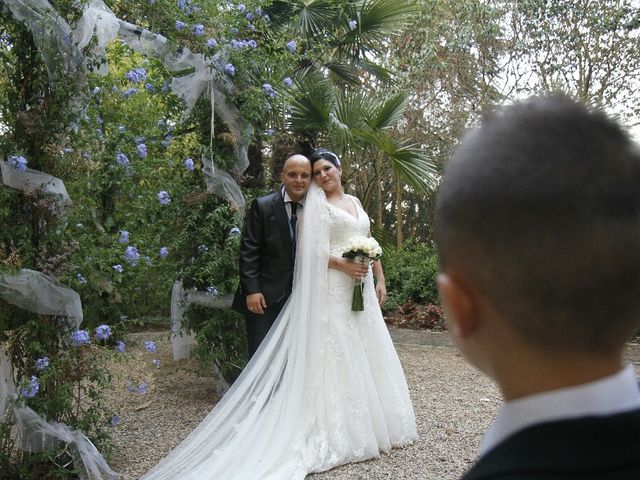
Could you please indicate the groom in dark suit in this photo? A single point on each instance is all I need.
(267, 251)
(538, 233)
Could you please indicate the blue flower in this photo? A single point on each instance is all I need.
(137, 75)
(212, 43)
(352, 24)
(142, 150)
(18, 162)
(182, 4)
(149, 87)
(234, 231)
(237, 44)
(258, 11)
(233, 30)
(202, 248)
(167, 140)
(155, 362)
(151, 2)
(129, 91)
(163, 198)
(164, 252)
(81, 279)
(121, 128)
(189, 165)
(268, 90)
(287, 82)
(180, 25)
(249, 16)
(31, 389)
(150, 346)
(212, 291)
(114, 89)
(241, 7)
(142, 388)
(124, 237)
(269, 132)
(103, 332)
(122, 159)
(131, 255)
(292, 45)
(120, 346)
(42, 363)
(266, 18)
(118, 268)
(80, 337)
(115, 420)
(198, 30)
(96, 90)
(252, 44)
(229, 69)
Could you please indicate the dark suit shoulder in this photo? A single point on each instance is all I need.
(602, 448)
(269, 199)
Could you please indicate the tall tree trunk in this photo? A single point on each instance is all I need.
(399, 215)
(378, 194)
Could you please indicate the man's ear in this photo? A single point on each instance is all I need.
(460, 305)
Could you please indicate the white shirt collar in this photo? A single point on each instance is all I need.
(611, 395)
(287, 198)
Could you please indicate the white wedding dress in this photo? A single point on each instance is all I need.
(324, 388)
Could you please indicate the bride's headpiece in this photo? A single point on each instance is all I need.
(323, 153)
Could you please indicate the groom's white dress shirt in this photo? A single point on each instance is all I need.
(617, 393)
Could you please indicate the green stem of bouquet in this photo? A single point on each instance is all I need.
(357, 302)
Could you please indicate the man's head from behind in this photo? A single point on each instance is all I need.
(538, 216)
(296, 176)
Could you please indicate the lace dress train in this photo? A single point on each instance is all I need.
(324, 388)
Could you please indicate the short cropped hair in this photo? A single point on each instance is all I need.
(540, 208)
(324, 154)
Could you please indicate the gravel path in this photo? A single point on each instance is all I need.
(453, 403)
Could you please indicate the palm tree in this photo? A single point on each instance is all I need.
(342, 99)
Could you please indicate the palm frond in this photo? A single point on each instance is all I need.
(377, 21)
(374, 69)
(312, 106)
(315, 15)
(388, 112)
(345, 71)
(408, 161)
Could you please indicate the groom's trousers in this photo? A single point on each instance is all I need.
(258, 325)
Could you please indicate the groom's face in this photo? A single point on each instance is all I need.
(296, 176)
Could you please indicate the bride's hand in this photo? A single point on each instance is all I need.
(381, 292)
(355, 270)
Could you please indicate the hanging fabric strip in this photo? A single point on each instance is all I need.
(32, 181)
(36, 434)
(99, 19)
(54, 38)
(39, 293)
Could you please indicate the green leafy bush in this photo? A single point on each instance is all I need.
(410, 274)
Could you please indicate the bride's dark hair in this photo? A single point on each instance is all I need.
(324, 154)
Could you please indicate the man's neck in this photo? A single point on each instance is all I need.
(537, 372)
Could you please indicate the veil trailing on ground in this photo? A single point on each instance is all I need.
(258, 429)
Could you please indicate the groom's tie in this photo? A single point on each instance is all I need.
(293, 221)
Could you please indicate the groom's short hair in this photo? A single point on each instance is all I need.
(540, 209)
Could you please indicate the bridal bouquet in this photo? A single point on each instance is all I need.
(361, 249)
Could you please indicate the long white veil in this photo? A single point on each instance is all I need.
(258, 429)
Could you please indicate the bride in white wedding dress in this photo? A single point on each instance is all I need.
(326, 386)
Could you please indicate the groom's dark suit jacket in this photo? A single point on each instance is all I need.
(266, 261)
(590, 448)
